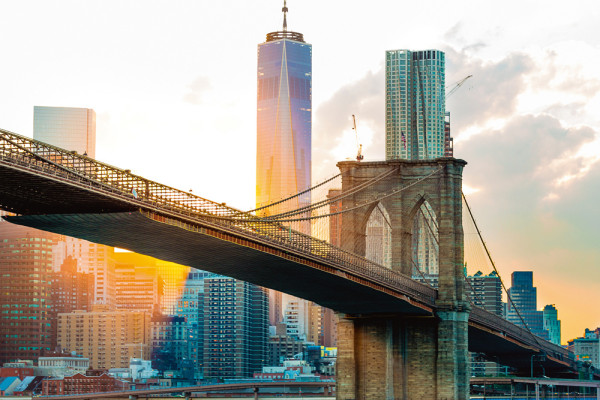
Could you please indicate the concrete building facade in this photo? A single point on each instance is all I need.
(587, 348)
(66, 127)
(25, 292)
(70, 290)
(108, 338)
(235, 328)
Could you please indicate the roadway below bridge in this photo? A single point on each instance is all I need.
(250, 389)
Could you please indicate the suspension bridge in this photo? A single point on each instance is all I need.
(417, 337)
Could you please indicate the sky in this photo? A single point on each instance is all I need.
(173, 84)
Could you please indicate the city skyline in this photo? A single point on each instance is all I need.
(526, 104)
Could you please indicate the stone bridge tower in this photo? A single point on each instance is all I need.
(402, 356)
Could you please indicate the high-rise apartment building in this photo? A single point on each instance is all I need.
(168, 342)
(25, 287)
(66, 127)
(108, 338)
(552, 323)
(92, 258)
(485, 291)
(173, 277)
(415, 104)
(70, 290)
(188, 307)
(138, 287)
(524, 296)
(235, 328)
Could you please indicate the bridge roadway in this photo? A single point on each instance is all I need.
(66, 193)
(327, 389)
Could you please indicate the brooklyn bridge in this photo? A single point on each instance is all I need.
(418, 337)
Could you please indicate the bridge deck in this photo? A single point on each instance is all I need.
(200, 247)
(228, 255)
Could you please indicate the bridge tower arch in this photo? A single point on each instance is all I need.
(410, 356)
(378, 235)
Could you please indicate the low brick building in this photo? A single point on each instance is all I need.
(79, 383)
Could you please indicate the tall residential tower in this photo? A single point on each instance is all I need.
(415, 105)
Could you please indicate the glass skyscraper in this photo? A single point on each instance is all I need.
(66, 127)
(284, 119)
(552, 323)
(415, 105)
(524, 296)
(284, 112)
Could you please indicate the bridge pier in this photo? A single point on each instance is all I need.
(401, 357)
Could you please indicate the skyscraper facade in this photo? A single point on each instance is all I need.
(486, 291)
(235, 328)
(108, 338)
(66, 127)
(70, 290)
(524, 296)
(25, 292)
(284, 117)
(552, 323)
(188, 306)
(92, 258)
(415, 102)
(284, 123)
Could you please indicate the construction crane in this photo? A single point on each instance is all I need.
(359, 156)
(456, 86)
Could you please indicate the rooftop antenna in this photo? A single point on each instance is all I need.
(285, 10)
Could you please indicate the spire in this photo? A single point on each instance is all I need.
(285, 10)
(285, 34)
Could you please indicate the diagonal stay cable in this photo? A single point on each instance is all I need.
(363, 204)
(295, 195)
(332, 200)
(498, 273)
(425, 279)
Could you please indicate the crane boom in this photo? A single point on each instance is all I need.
(457, 85)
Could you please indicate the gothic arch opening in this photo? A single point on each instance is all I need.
(379, 237)
(425, 243)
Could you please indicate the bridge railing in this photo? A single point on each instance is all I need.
(499, 324)
(144, 193)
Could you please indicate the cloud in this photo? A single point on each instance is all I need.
(530, 220)
(566, 75)
(525, 160)
(197, 89)
(493, 90)
(333, 123)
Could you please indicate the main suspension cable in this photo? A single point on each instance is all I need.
(498, 273)
(363, 204)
